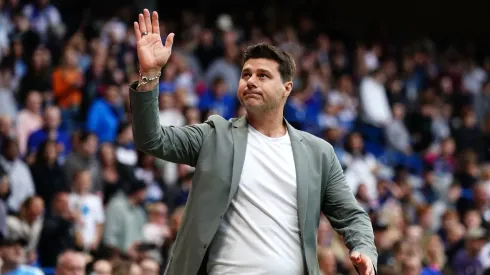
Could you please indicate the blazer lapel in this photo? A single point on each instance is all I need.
(240, 134)
(301, 164)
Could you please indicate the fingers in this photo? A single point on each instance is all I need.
(137, 31)
(170, 40)
(147, 17)
(363, 263)
(154, 23)
(141, 21)
(355, 257)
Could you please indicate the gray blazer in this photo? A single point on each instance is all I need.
(217, 149)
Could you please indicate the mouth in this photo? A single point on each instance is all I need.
(250, 93)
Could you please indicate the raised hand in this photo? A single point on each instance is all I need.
(152, 54)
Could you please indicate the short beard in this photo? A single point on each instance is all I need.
(262, 108)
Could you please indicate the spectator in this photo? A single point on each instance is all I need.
(361, 166)
(397, 134)
(47, 173)
(482, 103)
(219, 99)
(45, 18)
(150, 267)
(20, 178)
(225, 67)
(89, 206)
(5, 129)
(113, 179)
(327, 261)
(8, 104)
(28, 225)
(37, 77)
(71, 263)
(105, 115)
(102, 267)
(127, 268)
(470, 136)
(13, 257)
(84, 157)
(125, 218)
(67, 83)
(57, 235)
(51, 130)
(29, 120)
(125, 148)
(147, 172)
(374, 100)
(467, 258)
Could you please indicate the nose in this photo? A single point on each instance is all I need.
(251, 84)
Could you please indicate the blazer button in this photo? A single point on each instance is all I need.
(221, 217)
(205, 246)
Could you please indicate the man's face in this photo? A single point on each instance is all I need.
(72, 266)
(12, 254)
(261, 88)
(52, 118)
(102, 268)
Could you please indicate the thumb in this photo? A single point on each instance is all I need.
(170, 40)
(355, 257)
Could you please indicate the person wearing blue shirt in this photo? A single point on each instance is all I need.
(105, 114)
(51, 131)
(218, 99)
(12, 255)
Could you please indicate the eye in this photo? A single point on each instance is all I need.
(263, 76)
(245, 75)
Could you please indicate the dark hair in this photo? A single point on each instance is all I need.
(287, 66)
(85, 136)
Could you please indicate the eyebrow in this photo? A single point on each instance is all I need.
(258, 70)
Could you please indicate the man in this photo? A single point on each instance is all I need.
(12, 256)
(259, 184)
(125, 218)
(150, 267)
(85, 157)
(51, 131)
(102, 267)
(71, 263)
(58, 232)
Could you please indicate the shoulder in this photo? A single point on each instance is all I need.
(29, 270)
(38, 133)
(218, 121)
(318, 144)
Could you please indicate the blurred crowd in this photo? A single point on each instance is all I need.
(410, 125)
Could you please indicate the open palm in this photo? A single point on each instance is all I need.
(152, 54)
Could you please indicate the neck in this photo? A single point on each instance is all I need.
(6, 268)
(50, 162)
(270, 124)
(132, 200)
(82, 192)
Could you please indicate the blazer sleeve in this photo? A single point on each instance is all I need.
(344, 213)
(170, 143)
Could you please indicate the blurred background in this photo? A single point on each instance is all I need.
(401, 90)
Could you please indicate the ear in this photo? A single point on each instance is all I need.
(288, 87)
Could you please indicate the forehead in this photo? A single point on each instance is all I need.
(256, 64)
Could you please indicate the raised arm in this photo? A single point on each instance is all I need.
(175, 144)
(348, 218)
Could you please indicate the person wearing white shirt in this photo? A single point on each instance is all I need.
(374, 101)
(89, 231)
